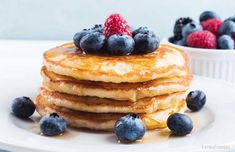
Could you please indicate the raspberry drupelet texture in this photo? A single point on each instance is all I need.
(212, 25)
(202, 39)
(116, 24)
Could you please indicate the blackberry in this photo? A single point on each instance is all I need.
(179, 24)
(173, 39)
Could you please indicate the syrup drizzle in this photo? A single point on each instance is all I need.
(157, 135)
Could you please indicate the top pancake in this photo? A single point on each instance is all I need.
(67, 60)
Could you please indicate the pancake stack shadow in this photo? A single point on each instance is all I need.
(94, 91)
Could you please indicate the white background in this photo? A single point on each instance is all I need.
(60, 19)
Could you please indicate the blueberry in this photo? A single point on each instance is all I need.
(97, 28)
(129, 128)
(227, 28)
(225, 42)
(92, 43)
(230, 19)
(78, 36)
(181, 42)
(196, 100)
(143, 30)
(189, 28)
(52, 124)
(23, 107)
(146, 43)
(208, 15)
(120, 44)
(179, 124)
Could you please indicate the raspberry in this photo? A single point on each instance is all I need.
(212, 25)
(116, 24)
(202, 39)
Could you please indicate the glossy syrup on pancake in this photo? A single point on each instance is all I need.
(165, 62)
(104, 105)
(105, 121)
(93, 91)
(117, 91)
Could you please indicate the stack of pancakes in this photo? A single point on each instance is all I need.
(92, 91)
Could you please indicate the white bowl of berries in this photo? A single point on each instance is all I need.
(209, 44)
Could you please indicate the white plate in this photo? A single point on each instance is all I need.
(213, 126)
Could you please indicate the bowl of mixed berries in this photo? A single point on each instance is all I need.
(209, 43)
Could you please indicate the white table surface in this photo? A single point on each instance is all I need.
(12, 52)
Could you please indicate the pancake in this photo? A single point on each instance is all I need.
(117, 91)
(104, 105)
(166, 61)
(103, 121)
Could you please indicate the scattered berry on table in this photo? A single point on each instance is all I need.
(52, 124)
(179, 124)
(129, 128)
(208, 15)
(120, 44)
(202, 39)
(23, 107)
(116, 24)
(196, 100)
